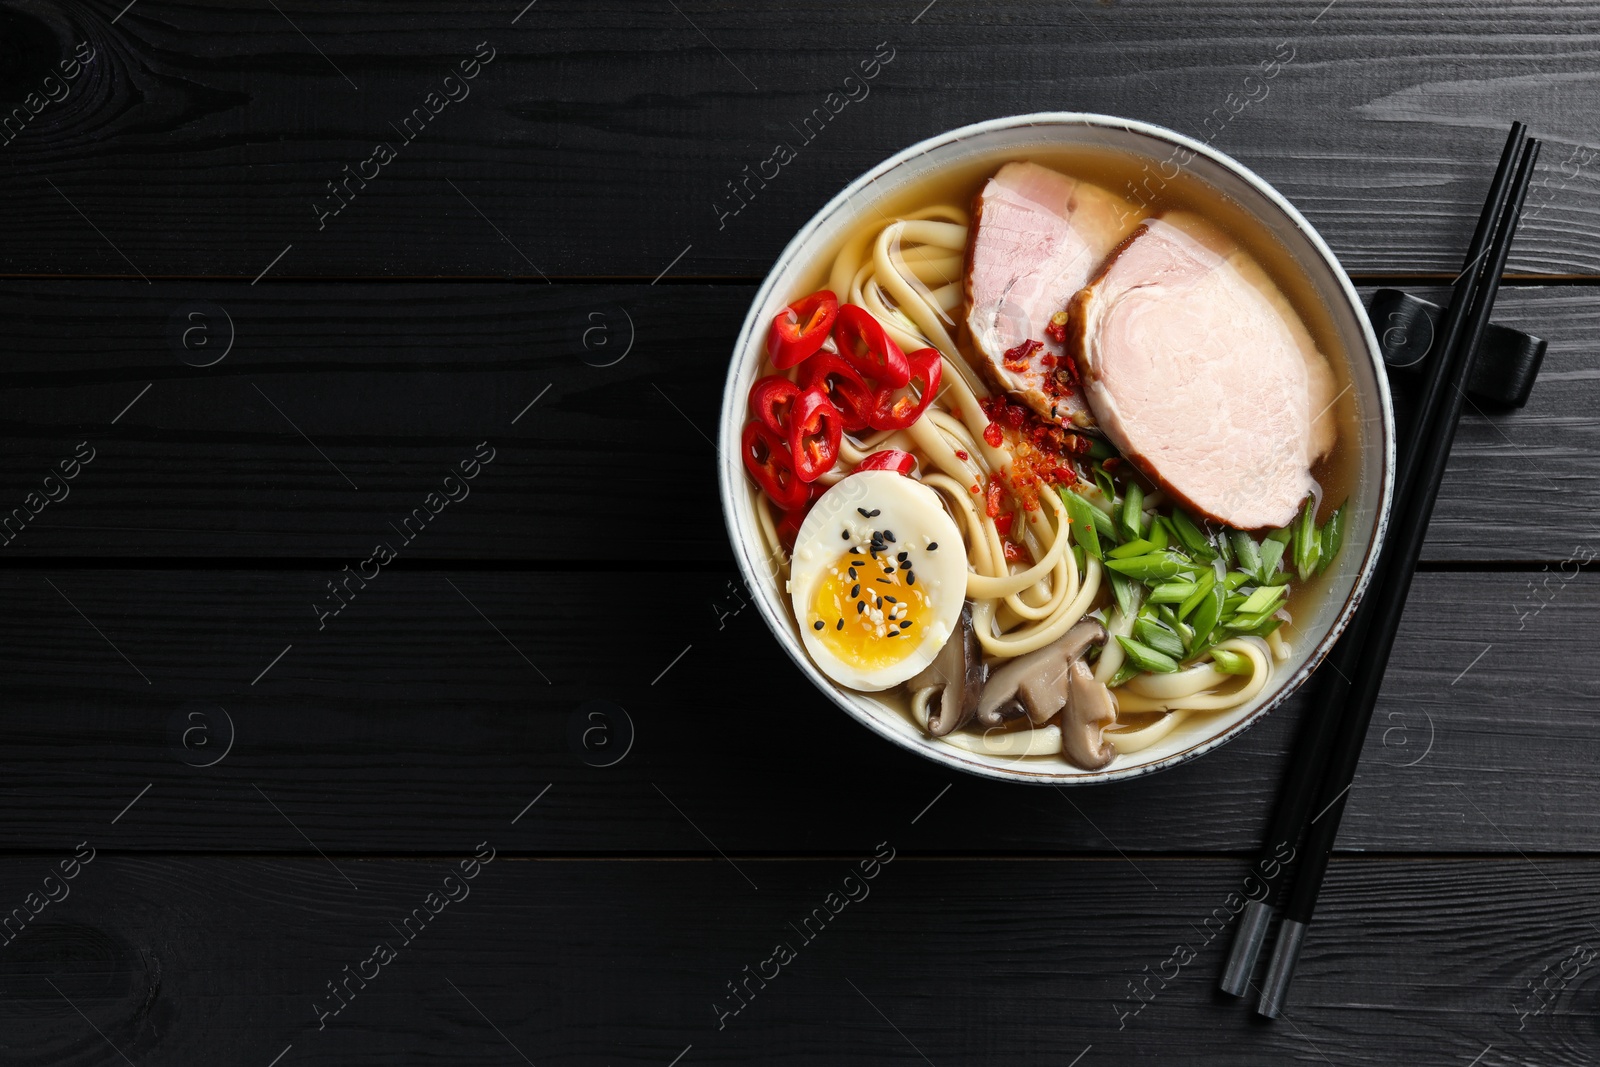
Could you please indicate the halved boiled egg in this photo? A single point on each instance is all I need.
(878, 578)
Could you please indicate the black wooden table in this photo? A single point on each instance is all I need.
(536, 785)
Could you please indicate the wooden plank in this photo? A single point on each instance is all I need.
(601, 138)
(391, 385)
(216, 960)
(211, 702)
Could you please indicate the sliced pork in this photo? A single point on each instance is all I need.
(1196, 367)
(1036, 237)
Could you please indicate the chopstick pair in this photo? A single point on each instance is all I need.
(1323, 765)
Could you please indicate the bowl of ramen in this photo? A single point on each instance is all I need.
(1057, 449)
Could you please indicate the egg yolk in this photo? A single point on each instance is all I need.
(869, 612)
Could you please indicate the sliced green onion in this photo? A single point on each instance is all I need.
(1202, 586)
(1281, 535)
(1107, 487)
(1159, 535)
(1307, 545)
(1140, 547)
(1271, 556)
(1191, 536)
(1247, 620)
(1152, 567)
(1206, 615)
(1081, 513)
(1235, 579)
(1246, 551)
(1099, 449)
(1332, 537)
(1224, 545)
(1173, 592)
(1265, 598)
(1126, 593)
(1132, 515)
(1146, 658)
(1158, 637)
(1259, 625)
(1231, 662)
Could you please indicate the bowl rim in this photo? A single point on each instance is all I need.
(731, 482)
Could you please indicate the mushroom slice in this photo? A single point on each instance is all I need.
(955, 677)
(1036, 684)
(1091, 707)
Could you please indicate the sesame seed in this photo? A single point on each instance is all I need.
(888, 535)
(891, 600)
(933, 546)
(887, 570)
(819, 624)
(845, 534)
(901, 556)
(880, 602)
(874, 513)
(838, 627)
(905, 566)
(861, 605)
(905, 625)
(911, 579)
(855, 590)
(886, 581)
(864, 513)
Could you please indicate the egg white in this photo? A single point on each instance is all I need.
(916, 516)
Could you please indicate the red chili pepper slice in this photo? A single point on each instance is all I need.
(1057, 330)
(846, 390)
(767, 458)
(898, 408)
(799, 329)
(771, 400)
(814, 432)
(863, 342)
(992, 435)
(993, 498)
(1017, 358)
(889, 459)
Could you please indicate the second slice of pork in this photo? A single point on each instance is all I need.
(1197, 368)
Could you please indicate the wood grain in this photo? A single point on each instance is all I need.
(601, 138)
(218, 960)
(387, 387)
(559, 667)
(435, 699)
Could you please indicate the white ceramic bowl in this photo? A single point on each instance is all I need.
(1016, 137)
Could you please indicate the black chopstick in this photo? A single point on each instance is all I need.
(1306, 764)
(1386, 602)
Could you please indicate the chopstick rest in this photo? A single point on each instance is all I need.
(1507, 360)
